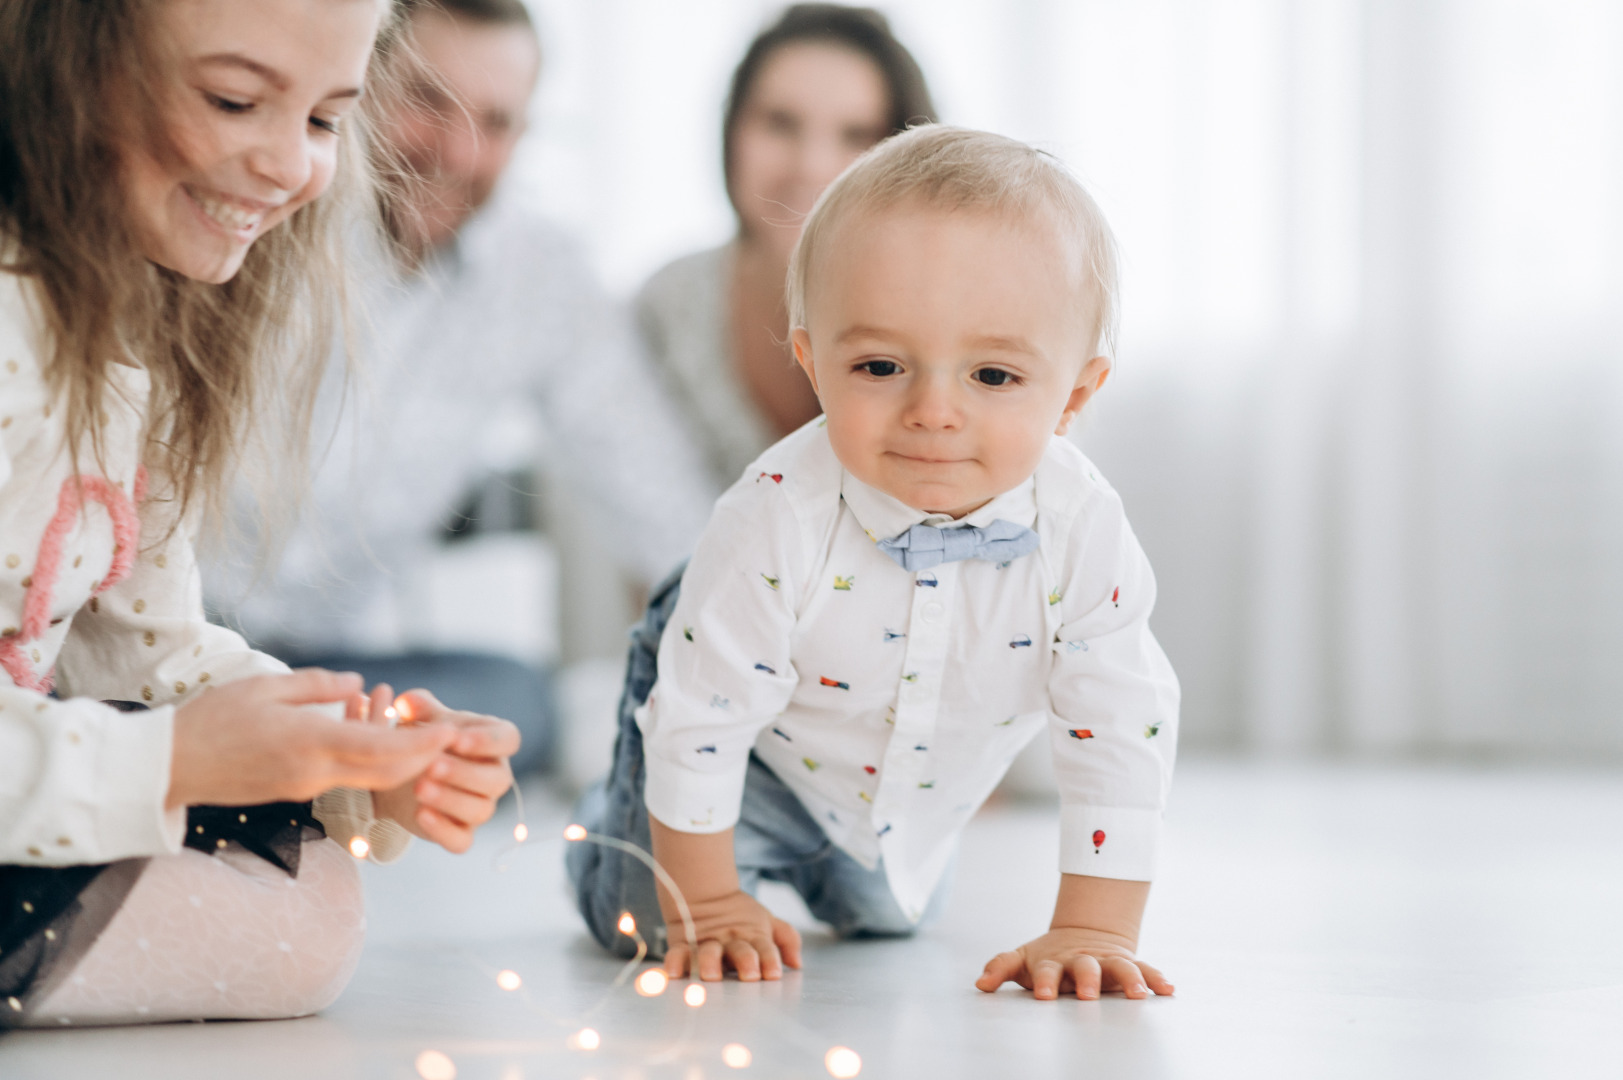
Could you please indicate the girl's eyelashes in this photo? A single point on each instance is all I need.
(226, 105)
(879, 368)
(236, 108)
(996, 377)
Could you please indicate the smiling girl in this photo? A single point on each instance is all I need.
(170, 278)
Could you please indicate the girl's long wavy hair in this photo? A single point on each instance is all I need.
(235, 368)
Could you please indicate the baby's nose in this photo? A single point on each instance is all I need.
(934, 406)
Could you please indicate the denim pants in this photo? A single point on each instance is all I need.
(775, 838)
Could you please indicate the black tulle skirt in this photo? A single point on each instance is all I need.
(50, 916)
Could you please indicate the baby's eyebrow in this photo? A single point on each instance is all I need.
(1005, 343)
(851, 333)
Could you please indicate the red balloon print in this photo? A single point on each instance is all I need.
(1098, 840)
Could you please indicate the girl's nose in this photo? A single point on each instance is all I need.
(284, 157)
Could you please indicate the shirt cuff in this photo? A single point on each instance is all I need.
(1109, 842)
(685, 799)
(132, 784)
(346, 814)
(692, 802)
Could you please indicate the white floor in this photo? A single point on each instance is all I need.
(1320, 921)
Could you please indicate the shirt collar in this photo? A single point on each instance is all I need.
(883, 516)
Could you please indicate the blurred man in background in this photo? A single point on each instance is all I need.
(491, 348)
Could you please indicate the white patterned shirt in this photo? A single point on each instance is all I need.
(891, 703)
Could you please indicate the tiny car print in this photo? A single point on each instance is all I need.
(835, 683)
(1080, 733)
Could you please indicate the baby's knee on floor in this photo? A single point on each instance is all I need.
(870, 927)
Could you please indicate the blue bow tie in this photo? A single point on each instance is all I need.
(924, 546)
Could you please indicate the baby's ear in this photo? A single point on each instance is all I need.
(1093, 376)
(801, 342)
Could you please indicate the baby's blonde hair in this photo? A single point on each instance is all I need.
(953, 168)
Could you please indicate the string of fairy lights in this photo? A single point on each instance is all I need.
(841, 1062)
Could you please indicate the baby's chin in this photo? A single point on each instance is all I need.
(936, 497)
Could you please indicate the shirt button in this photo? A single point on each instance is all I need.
(932, 611)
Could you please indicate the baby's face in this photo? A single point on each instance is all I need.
(946, 347)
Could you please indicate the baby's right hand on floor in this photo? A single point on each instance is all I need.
(734, 931)
(253, 741)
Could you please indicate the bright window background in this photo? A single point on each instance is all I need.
(1369, 411)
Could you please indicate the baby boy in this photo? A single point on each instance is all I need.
(899, 596)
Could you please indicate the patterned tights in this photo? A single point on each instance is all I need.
(224, 936)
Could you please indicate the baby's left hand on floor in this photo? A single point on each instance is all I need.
(1086, 962)
(458, 792)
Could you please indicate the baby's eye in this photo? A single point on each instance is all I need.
(329, 126)
(879, 368)
(995, 376)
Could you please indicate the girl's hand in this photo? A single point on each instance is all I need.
(458, 790)
(253, 741)
(1073, 959)
(734, 931)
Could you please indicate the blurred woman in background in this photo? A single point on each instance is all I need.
(814, 90)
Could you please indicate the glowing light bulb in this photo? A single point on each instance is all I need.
(627, 924)
(652, 983)
(842, 1062)
(575, 832)
(433, 1065)
(521, 832)
(736, 1056)
(694, 995)
(392, 715)
(508, 980)
(359, 847)
(586, 1039)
